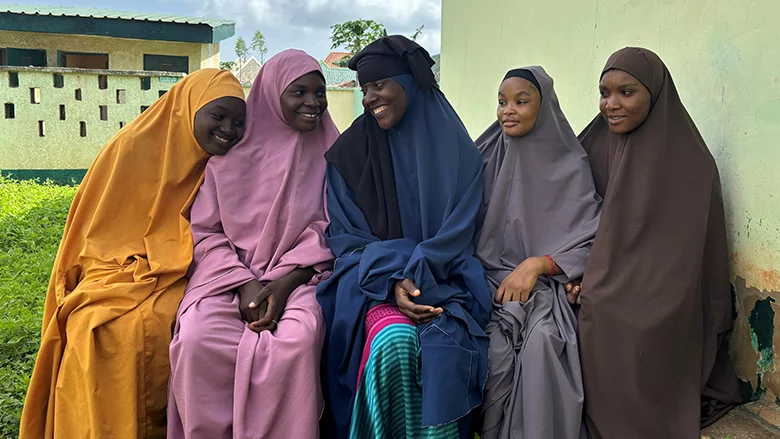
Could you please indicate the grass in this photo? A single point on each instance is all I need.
(32, 217)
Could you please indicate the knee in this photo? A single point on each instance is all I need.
(200, 334)
(397, 343)
(312, 337)
(543, 338)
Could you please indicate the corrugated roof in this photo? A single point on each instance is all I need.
(69, 11)
(333, 57)
(336, 75)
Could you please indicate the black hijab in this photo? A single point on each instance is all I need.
(361, 155)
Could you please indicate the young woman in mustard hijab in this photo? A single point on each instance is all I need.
(102, 370)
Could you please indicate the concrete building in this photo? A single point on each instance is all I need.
(71, 77)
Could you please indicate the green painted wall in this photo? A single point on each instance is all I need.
(62, 146)
(725, 59)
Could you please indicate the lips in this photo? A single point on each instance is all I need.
(225, 141)
(377, 111)
(510, 123)
(310, 116)
(613, 120)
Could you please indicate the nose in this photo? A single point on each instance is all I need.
(509, 110)
(227, 127)
(309, 100)
(369, 98)
(613, 103)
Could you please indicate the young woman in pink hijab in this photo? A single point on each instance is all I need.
(245, 354)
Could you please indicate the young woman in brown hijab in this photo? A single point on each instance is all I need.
(656, 304)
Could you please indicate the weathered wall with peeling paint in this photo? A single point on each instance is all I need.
(725, 58)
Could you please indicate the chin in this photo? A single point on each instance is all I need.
(619, 130)
(514, 133)
(386, 124)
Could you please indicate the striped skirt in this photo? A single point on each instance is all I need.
(388, 404)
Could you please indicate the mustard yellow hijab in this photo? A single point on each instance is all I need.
(102, 369)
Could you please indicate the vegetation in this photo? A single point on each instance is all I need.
(259, 46)
(32, 217)
(355, 35)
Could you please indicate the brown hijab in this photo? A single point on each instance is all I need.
(656, 303)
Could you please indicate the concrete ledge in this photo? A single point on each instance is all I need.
(90, 71)
(756, 420)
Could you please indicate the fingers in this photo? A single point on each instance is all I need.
(267, 321)
(425, 318)
(260, 328)
(262, 295)
(421, 317)
(500, 295)
(272, 314)
(410, 287)
(573, 295)
(418, 313)
(250, 315)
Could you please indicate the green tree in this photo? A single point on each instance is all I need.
(242, 52)
(227, 65)
(258, 45)
(355, 35)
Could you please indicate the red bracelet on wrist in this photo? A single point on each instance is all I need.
(552, 265)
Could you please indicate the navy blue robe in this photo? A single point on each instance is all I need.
(438, 180)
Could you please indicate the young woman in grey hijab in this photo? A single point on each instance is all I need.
(538, 220)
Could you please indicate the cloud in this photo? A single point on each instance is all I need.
(306, 24)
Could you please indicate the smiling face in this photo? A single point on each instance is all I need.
(625, 101)
(304, 102)
(519, 103)
(219, 125)
(386, 100)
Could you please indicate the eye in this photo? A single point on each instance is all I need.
(380, 84)
(217, 116)
(603, 93)
(321, 94)
(627, 92)
(239, 123)
(522, 102)
(363, 90)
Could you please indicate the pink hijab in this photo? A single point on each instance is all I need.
(260, 212)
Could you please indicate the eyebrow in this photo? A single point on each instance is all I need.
(523, 92)
(623, 85)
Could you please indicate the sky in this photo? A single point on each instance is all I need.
(300, 24)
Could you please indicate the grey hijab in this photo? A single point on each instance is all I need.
(539, 197)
